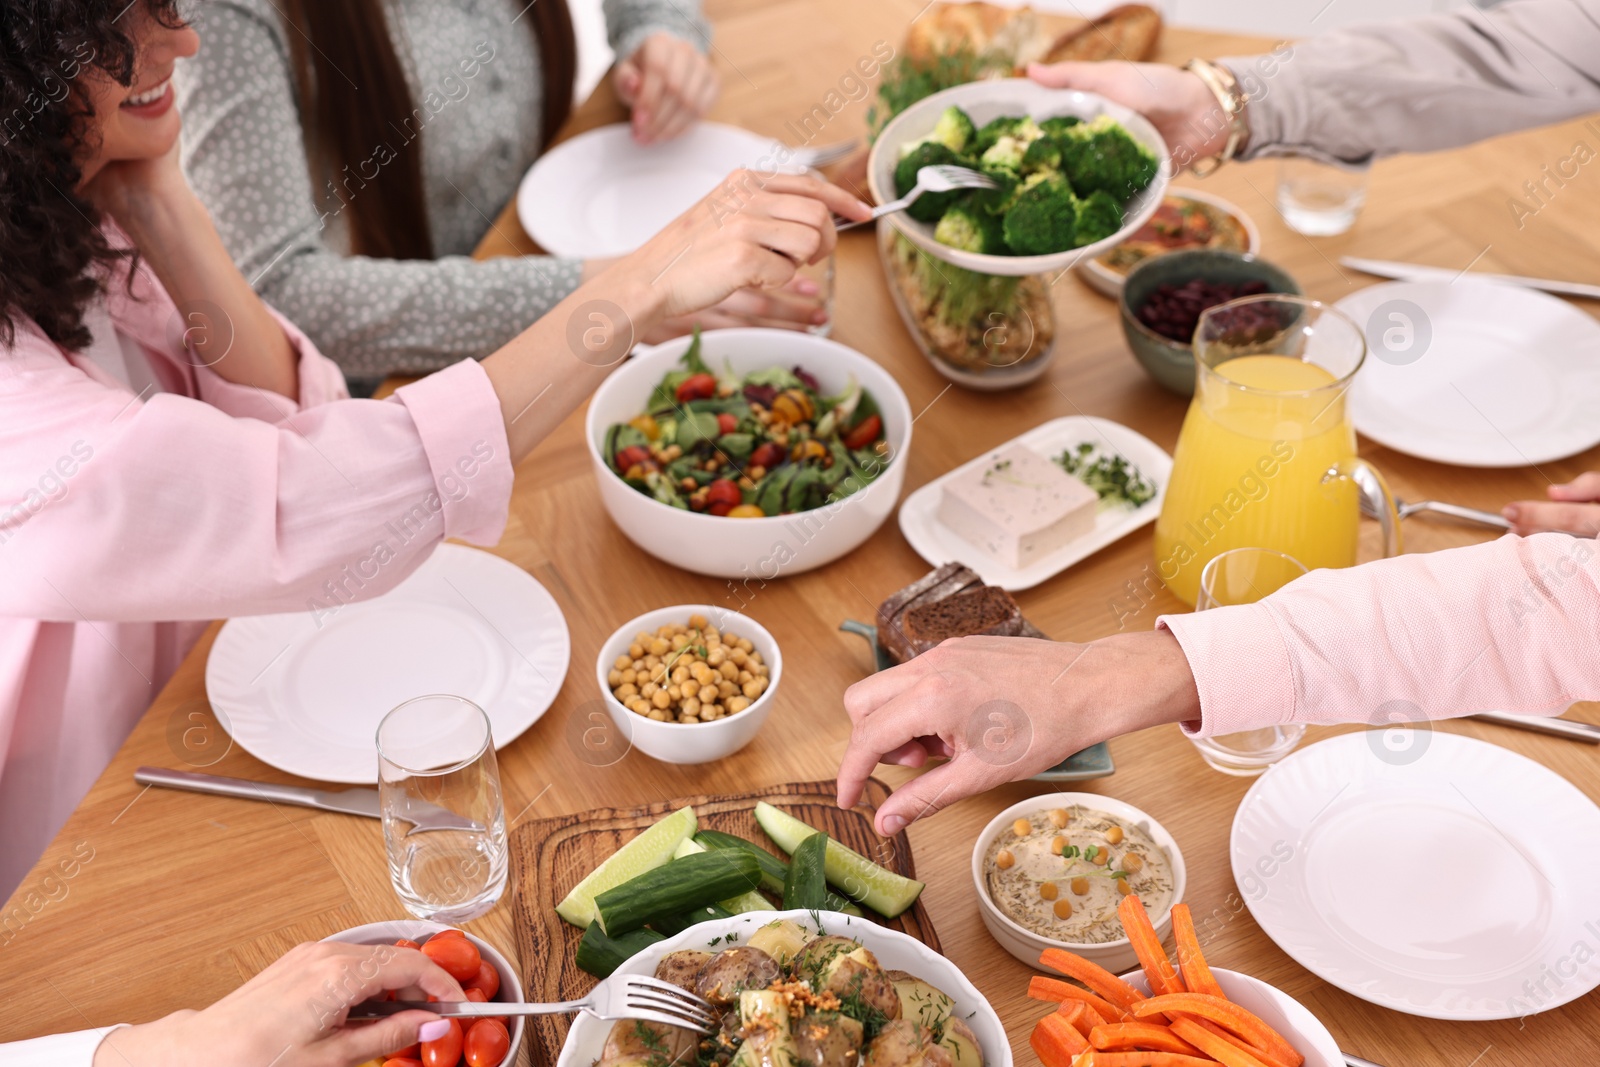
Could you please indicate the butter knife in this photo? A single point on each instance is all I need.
(1418, 272)
(356, 801)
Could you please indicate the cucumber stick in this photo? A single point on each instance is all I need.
(673, 925)
(678, 886)
(650, 849)
(600, 955)
(848, 871)
(774, 871)
(807, 884)
(751, 901)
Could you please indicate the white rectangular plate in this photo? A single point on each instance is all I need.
(934, 542)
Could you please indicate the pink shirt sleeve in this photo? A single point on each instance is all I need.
(1512, 625)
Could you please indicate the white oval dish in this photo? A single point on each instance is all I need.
(754, 550)
(687, 742)
(895, 951)
(1104, 280)
(1024, 944)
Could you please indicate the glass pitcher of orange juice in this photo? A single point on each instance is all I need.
(1267, 454)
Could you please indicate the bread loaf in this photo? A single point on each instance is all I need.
(952, 601)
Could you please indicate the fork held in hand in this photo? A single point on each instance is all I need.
(941, 178)
(634, 997)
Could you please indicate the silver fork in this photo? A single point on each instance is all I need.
(635, 996)
(941, 178)
(1408, 508)
(822, 155)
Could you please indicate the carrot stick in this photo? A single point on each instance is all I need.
(1085, 1059)
(1145, 1037)
(1191, 964)
(1226, 1014)
(1082, 1017)
(1057, 1041)
(1141, 933)
(1223, 1051)
(1042, 987)
(1149, 1059)
(1259, 1053)
(1094, 976)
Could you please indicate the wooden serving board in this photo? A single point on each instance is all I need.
(550, 856)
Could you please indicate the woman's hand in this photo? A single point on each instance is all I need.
(1176, 102)
(669, 83)
(1004, 708)
(131, 191)
(1572, 508)
(293, 1014)
(799, 305)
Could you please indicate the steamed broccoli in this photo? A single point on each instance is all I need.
(1099, 216)
(1044, 219)
(1004, 154)
(954, 129)
(1020, 128)
(971, 230)
(929, 206)
(1042, 155)
(1102, 156)
(1056, 127)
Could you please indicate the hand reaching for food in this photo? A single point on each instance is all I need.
(1572, 508)
(669, 83)
(1176, 102)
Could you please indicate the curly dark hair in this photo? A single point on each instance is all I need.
(50, 243)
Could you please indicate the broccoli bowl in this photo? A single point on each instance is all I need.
(1076, 175)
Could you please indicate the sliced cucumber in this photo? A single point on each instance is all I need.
(649, 850)
(848, 871)
(774, 871)
(807, 885)
(680, 885)
(751, 901)
(600, 955)
(673, 925)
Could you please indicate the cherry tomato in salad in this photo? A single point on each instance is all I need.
(724, 491)
(487, 980)
(696, 387)
(458, 956)
(863, 433)
(487, 1043)
(446, 1051)
(626, 458)
(768, 455)
(726, 423)
(721, 507)
(746, 511)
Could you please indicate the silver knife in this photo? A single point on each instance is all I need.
(1577, 731)
(1418, 272)
(355, 801)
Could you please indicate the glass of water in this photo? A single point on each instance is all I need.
(1320, 199)
(444, 823)
(1244, 576)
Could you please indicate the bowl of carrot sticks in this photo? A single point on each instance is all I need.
(1172, 1011)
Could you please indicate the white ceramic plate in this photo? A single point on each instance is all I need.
(985, 101)
(1276, 1008)
(1102, 279)
(893, 949)
(1489, 375)
(307, 698)
(604, 194)
(1425, 872)
(938, 544)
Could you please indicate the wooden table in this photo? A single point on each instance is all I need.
(185, 895)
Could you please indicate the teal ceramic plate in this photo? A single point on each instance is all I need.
(1093, 762)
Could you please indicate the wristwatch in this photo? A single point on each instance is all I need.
(1231, 99)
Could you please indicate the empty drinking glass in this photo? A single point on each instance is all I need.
(1244, 576)
(1320, 199)
(444, 823)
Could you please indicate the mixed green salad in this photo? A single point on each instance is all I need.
(1063, 182)
(765, 443)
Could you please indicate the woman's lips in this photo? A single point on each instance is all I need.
(152, 103)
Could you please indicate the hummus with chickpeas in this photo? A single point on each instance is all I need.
(688, 673)
(1061, 872)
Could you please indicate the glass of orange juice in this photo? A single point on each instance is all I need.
(1267, 454)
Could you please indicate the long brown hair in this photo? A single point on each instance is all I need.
(353, 93)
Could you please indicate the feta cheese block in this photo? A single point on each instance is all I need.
(1017, 506)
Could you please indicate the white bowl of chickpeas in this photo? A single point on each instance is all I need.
(691, 683)
(1051, 870)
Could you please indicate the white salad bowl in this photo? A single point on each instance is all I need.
(985, 101)
(691, 742)
(1292, 1020)
(894, 950)
(753, 551)
(1116, 955)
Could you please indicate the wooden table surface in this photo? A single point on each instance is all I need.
(183, 896)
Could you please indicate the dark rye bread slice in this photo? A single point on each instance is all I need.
(950, 602)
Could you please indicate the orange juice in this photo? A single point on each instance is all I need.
(1261, 433)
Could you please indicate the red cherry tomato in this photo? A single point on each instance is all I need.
(696, 387)
(406, 943)
(477, 997)
(768, 455)
(726, 423)
(487, 980)
(458, 956)
(445, 1052)
(721, 507)
(723, 491)
(863, 433)
(632, 456)
(487, 1043)
(410, 1052)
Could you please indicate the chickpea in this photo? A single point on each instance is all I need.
(627, 690)
(690, 706)
(636, 650)
(726, 689)
(637, 664)
(679, 641)
(1022, 827)
(1080, 886)
(614, 678)
(752, 688)
(638, 705)
(1132, 862)
(1101, 857)
(629, 675)
(651, 662)
(659, 647)
(708, 694)
(755, 657)
(1063, 909)
(739, 656)
(623, 663)
(1048, 890)
(658, 716)
(1058, 845)
(1059, 818)
(698, 622)
(1114, 835)
(675, 692)
(746, 647)
(689, 718)
(661, 700)
(755, 474)
(1123, 887)
(743, 677)
(648, 690)
(737, 704)
(701, 672)
(717, 657)
(1004, 859)
(710, 712)
(729, 671)
(680, 675)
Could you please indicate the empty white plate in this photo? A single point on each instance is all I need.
(305, 692)
(1475, 373)
(938, 544)
(604, 194)
(1426, 872)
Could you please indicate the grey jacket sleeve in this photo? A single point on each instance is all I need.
(1425, 84)
(243, 152)
(629, 22)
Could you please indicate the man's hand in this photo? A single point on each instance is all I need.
(1176, 102)
(1572, 508)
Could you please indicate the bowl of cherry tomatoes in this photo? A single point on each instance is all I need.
(485, 975)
